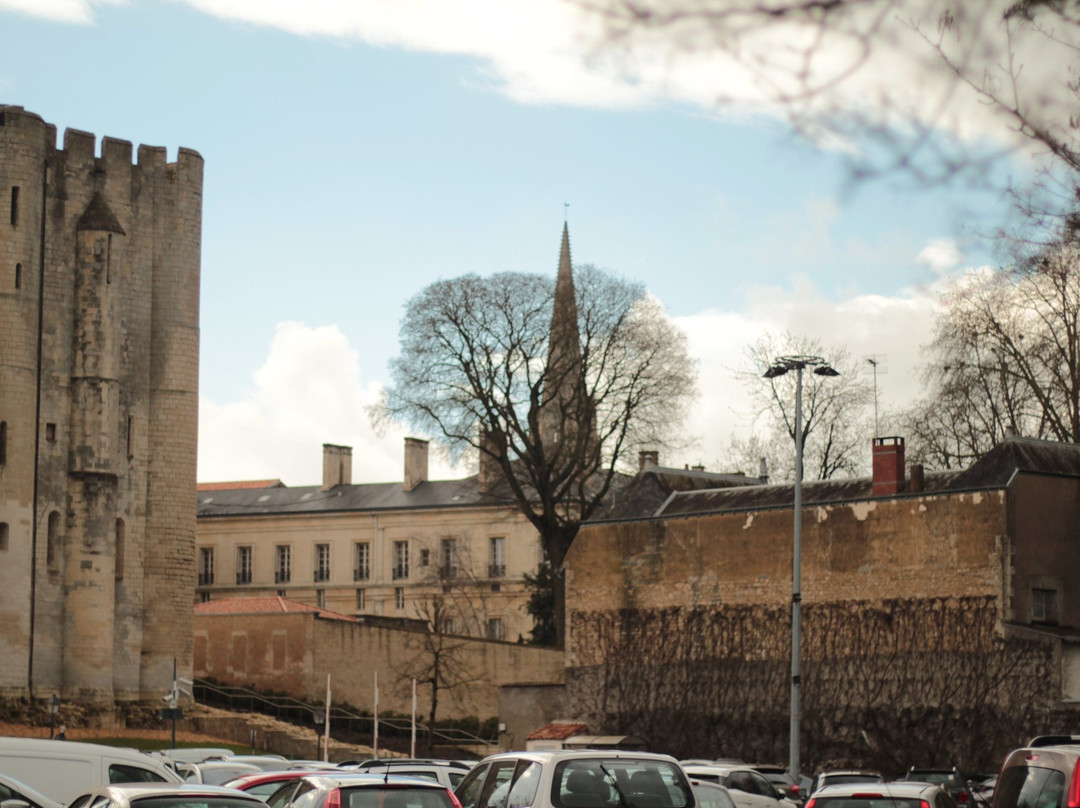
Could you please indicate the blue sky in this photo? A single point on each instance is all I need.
(346, 168)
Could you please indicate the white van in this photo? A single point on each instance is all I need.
(63, 770)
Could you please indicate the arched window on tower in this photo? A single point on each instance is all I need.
(120, 549)
(52, 542)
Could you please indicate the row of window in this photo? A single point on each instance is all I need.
(399, 570)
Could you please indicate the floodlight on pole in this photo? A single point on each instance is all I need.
(778, 368)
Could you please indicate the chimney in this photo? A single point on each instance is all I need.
(416, 456)
(489, 466)
(917, 481)
(698, 467)
(888, 466)
(648, 459)
(763, 471)
(336, 466)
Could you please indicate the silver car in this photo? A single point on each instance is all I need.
(592, 778)
(14, 794)
(165, 795)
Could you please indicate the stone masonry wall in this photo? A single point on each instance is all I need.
(97, 483)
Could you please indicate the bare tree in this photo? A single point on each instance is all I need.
(837, 412)
(1005, 359)
(930, 89)
(551, 389)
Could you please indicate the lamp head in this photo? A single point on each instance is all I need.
(826, 370)
(774, 371)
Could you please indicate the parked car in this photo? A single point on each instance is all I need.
(165, 795)
(840, 777)
(580, 778)
(197, 754)
(782, 779)
(946, 777)
(1040, 777)
(61, 770)
(361, 790)
(447, 772)
(214, 772)
(748, 787)
(263, 784)
(711, 795)
(268, 763)
(901, 794)
(16, 794)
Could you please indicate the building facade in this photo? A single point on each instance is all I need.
(99, 345)
(449, 552)
(931, 602)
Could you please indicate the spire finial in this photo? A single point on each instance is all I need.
(566, 212)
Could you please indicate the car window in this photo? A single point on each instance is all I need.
(121, 773)
(468, 790)
(740, 781)
(622, 782)
(283, 795)
(395, 797)
(762, 786)
(426, 774)
(455, 778)
(709, 796)
(1030, 787)
(263, 789)
(526, 782)
(498, 783)
(943, 800)
(304, 796)
(80, 802)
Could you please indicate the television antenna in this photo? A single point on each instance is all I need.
(878, 363)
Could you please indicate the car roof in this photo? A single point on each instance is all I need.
(901, 788)
(346, 778)
(257, 778)
(579, 754)
(27, 791)
(134, 791)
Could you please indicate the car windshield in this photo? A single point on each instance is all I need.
(396, 797)
(868, 802)
(1030, 787)
(194, 801)
(619, 783)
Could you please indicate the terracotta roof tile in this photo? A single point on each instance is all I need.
(241, 485)
(557, 731)
(265, 605)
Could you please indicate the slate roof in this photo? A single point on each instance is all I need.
(265, 605)
(355, 497)
(653, 485)
(994, 470)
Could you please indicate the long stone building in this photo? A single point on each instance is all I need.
(99, 346)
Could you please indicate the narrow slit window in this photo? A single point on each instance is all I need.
(18, 276)
(130, 428)
(119, 549)
(52, 541)
(3, 536)
(3, 442)
(14, 205)
(50, 433)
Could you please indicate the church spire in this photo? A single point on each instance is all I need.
(564, 385)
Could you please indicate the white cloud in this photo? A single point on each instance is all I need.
(309, 392)
(70, 11)
(311, 389)
(556, 51)
(941, 255)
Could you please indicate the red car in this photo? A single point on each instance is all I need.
(263, 784)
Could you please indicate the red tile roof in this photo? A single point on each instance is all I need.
(557, 731)
(265, 605)
(241, 484)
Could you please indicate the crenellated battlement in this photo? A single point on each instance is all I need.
(80, 146)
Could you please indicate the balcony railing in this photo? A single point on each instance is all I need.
(205, 578)
(282, 576)
(322, 575)
(496, 570)
(448, 571)
(361, 573)
(243, 577)
(399, 572)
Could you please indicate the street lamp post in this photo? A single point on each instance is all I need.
(778, 368)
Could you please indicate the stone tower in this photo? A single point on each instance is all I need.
(99, 341)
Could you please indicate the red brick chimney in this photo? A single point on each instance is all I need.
(888, 466)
